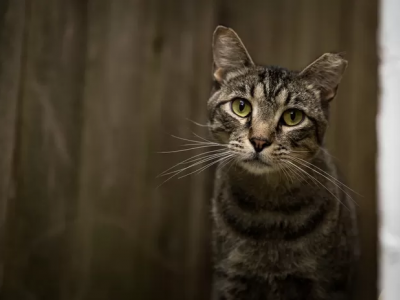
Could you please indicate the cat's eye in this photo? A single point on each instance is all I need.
(292, 117)
(241, 107)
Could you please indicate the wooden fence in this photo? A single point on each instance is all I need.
(90, 90)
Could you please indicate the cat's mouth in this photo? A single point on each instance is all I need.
(257, 161)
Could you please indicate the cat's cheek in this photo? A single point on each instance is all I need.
(223, 137)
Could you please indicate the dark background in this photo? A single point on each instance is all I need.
(90, 90)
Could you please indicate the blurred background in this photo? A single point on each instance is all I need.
(91, 90)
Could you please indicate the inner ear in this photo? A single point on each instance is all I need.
(329, 95)
(218, 74)
(325, 74)
(229, 53)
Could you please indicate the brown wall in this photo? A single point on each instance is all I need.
(90, 90)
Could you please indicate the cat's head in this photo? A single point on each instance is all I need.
(268, 115)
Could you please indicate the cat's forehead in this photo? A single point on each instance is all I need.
(260, 82)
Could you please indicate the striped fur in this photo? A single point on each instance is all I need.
(278, 233)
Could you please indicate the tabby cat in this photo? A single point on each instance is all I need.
(284, 225)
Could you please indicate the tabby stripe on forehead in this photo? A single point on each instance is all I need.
(288, 97)
(265, 89)
(273, 79)
(278, 90)
(261, 78)
(242, 89)
(235, 76)
(295, 100)
(252, 90)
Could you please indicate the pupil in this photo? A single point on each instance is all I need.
(241, 105)
(292, 115)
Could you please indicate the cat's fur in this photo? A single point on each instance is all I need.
(278, 234)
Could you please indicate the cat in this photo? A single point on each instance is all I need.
(284, 227)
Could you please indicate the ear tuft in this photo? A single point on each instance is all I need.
(228, 52)
(325, 73)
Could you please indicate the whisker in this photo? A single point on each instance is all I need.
(234, 161)
(282, 170)
(198, 124)
(190, 159)
(297, 173)
(175, 173)
(291, 175)
(207, 166)
(209, 145)
(196, 135)
(326, 152)
(326, 173)
(192, 141)
(210, 156)
(304, 165)
(297, 167)
(183, 150)
(225, 163)
(202, 160)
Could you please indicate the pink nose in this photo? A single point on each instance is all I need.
(259, 144)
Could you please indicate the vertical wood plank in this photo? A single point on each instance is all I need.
(362, 131)
(198, 264)
(104, 85)
(43, 209)
(12, 24)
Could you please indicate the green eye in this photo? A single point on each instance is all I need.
(292, 117)
(241, 107)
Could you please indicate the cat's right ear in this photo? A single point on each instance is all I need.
(228, 52)
(325, 74)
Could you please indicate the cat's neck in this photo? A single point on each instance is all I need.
(279, 182)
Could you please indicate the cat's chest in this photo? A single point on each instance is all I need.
(273, 217)
(269, 260)
(285, 201)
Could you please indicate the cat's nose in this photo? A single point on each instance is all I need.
(259, 144)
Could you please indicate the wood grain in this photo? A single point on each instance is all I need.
(91, 90)
(12, 25)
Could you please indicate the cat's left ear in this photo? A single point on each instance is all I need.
(229, 53)
(325, 74)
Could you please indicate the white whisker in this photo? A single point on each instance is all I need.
(193, 141)
(297, 167)
(193, 159)
(175, 173)
(297, 173)
(326, 175)
(282, 170)
(198, 124)
(203, 160)
(209, 145)
(225, 163)
(327, 178)
(183, 150)
(207, 166)
(196, 135)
